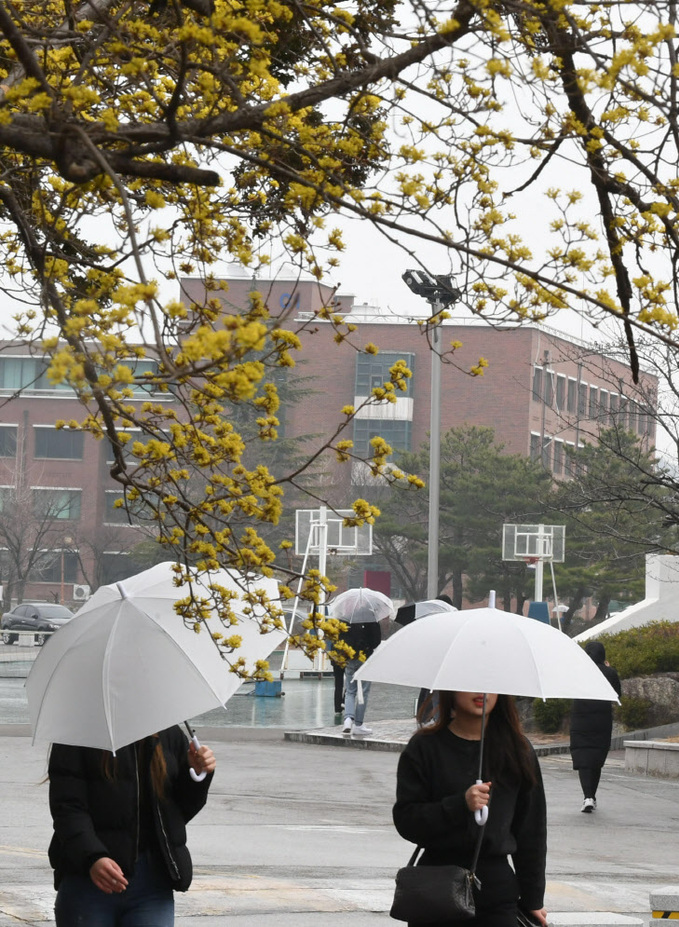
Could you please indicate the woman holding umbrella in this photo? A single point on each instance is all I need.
(439, 792)
(119, 845)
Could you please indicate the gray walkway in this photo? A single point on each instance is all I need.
(301, 834)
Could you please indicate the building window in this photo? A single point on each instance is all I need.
(546, 452)
(593, 403)
(397, 433)
(570, 462)
(582, 399)
(603, 406)
(622, 414)
(372, 370)
(56, 503)
(557, 465)
(48, 567)
(58, 443)
(534, 446)
(115, 566)
(7, 497)
(121, 514)
(613, 409)
(571, 404)
(561, 392)
(26, 373)
(549, 388)
(537, 384)
(8, 440)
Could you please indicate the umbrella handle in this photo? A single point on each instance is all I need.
(197, 777)
(481, 814)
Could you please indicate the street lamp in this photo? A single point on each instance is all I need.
(439, 291)
(66, 544)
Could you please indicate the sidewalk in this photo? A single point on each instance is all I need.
(300, 834)
(392, 736)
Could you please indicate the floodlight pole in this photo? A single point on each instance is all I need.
(434, 459)
(439, 291)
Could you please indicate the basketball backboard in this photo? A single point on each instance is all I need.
(534, 542)
(341, 540)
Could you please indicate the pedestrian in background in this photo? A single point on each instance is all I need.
(337, 662)
(119, 845)
(591, 730)
(363, 637)
(437, 795)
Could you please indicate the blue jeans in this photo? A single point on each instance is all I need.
(352, 707)
(148, 900)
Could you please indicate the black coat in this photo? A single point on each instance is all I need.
(96, 814)
(364, 637)
(592, 720)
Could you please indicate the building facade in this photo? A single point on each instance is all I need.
(541, 391)
(58, 515)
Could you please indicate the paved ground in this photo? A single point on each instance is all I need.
(302, 833)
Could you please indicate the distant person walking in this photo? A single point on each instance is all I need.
(591, 729)
(363, 638)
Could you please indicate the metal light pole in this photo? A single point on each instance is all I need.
(67, 542)
(439, 291)
(434, 462)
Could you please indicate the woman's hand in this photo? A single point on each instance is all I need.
(477, 796)
(202, 759)
(540, 916)
(108, 876)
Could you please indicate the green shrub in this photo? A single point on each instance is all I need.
(653, 648)
(549, 715)
(633, 712)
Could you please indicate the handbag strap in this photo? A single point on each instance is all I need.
(475, 857)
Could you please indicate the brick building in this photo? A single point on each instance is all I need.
(56, 495)
(541, 391)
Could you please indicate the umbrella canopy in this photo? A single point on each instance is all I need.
(409, 613)
(356, 606)
(126, 666)
(487, 650)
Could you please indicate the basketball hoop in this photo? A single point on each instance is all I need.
(530, 561)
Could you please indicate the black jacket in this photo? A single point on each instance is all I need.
(96, 815)
(434, 772)
(364, 637)
(592, 720)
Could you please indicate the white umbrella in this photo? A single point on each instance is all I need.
(417, 610)
(360, 605)
(126, 666)
(487, 650)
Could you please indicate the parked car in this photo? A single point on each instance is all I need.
(40, 617)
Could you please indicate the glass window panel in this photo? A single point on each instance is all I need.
(571, 404)
(8, 440)
(537, 384)
(57, 503)
(59, 443)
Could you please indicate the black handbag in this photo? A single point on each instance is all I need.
(435, 894)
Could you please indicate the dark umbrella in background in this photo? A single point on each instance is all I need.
(406, 614)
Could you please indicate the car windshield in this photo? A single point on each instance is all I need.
(55, 611)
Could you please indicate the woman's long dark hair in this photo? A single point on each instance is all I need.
(158, 766)
(507, 754)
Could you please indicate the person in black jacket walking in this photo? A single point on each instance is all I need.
(363, 637)
(591, 729)
(437, 796)
(119, 845)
